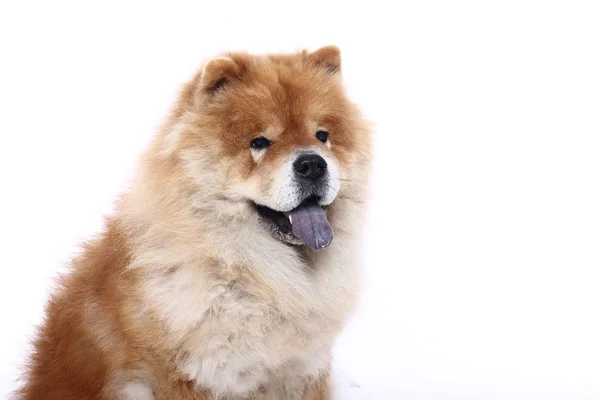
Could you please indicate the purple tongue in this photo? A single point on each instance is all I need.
(309, 224)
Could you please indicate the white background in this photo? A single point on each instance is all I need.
(483, 246)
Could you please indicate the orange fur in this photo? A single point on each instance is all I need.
(318, 390)
(108, 324)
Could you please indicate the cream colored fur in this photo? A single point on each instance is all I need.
(265, 313)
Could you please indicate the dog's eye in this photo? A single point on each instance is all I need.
(260, 143)
(322, 135)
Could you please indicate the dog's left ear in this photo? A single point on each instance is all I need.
(328, 57)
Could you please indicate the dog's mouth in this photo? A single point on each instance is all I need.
(306, 224)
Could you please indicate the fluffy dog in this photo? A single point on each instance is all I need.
(231, 264)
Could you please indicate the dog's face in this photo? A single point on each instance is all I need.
(281, 134)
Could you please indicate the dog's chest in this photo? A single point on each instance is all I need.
(245, 344)
(231, 335)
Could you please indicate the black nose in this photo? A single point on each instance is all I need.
(310, 166)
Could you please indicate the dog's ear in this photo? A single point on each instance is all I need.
(328, 57)
(217, 72)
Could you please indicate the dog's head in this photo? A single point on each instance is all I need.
(275, 132)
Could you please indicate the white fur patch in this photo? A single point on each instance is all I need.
(136, 391)
(284, 193)
(257, 154)
(333, 180)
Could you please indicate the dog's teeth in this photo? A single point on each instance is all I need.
(290, 218)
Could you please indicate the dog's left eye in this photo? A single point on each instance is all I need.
(260, 143)
(322, 135)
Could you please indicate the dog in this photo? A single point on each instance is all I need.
(231, 263)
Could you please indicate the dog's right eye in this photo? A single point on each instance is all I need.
(260, 143)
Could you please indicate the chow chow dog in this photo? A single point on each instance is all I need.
(231, 263)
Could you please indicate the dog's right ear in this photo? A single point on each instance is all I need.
(217, 72)
(328, 57)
